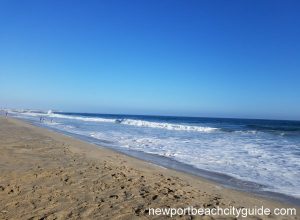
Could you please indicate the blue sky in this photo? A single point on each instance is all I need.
(196, 58)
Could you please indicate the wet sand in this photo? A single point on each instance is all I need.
(46, 175)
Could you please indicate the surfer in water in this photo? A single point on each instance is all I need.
(119, 121)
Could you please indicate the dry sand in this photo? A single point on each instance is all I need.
(46, 175)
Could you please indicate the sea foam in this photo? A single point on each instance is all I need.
(168, 126)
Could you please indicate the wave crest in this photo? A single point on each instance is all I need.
(81, 118)
(168, 126)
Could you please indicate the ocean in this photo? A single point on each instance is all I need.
(260, 156)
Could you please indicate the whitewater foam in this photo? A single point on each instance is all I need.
(50, 114)
(168, 126)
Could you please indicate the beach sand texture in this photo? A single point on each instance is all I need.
(46, 175)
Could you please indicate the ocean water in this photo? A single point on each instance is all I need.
(263, 154)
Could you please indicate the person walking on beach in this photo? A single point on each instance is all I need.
(6, 113)
(41, 119)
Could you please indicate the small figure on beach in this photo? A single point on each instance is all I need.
(41, 119)
(6, 114)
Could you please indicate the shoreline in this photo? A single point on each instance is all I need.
(222, 179)
(114, 169)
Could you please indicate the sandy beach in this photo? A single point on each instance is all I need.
(46, 175)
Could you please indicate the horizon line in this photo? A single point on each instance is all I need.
(151, 115)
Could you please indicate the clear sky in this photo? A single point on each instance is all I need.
(196, 58)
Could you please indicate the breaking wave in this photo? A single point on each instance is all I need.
(168, 126)
(131, 122)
